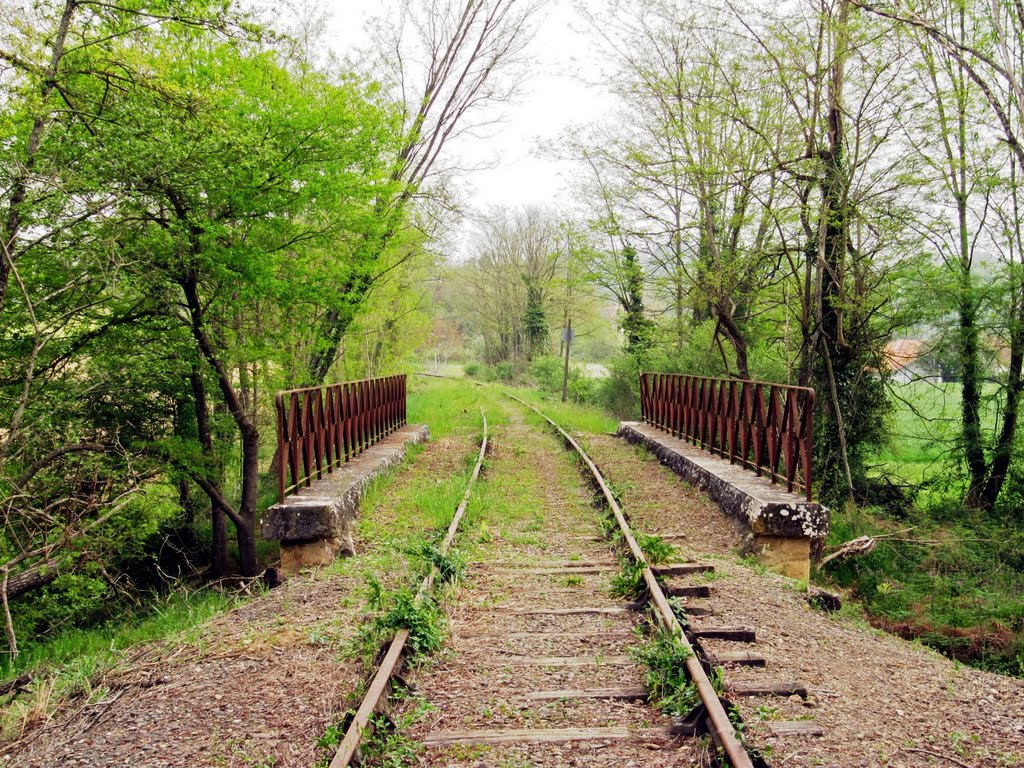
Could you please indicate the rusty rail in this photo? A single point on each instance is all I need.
(376, 693)
(765, 427)
(719, 724)
(319, 428)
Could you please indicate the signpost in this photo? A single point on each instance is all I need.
(568, 334)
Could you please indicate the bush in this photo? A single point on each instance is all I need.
(479, 371)
(620, 393)
(505, 371)
(546, 373)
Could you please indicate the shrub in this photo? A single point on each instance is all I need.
(546, 373)
(620, 392)
(667, 682)
(505, 371)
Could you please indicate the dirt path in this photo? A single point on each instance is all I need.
(506, 664)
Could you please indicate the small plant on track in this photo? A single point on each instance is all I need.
(423, 622)
(398, 610)
(667, 683)
(450, 566)
(655, 549)
(629, 582)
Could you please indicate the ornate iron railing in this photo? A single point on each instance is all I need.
(319, 428)
(761, 426)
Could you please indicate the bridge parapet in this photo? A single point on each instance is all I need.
(748, 445)
(332, 442)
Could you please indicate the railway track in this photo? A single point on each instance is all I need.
(375, 698)
(551, 666)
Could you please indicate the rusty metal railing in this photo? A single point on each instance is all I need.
(319, 428)
(762, 426)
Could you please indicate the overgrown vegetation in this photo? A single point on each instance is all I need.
(395, 610)
(953, 581)
(655, 548)
(629, 582)
(667, 683)
(387, 746)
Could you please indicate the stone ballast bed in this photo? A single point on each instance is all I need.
(780, 527)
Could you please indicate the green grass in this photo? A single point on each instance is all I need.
(924, 427)
(570, 416)
(958, 586)
(955, 581)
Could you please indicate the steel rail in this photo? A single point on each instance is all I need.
(392, 660)
(722, 727)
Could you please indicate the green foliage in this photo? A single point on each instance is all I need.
(629, 582)
(535, 321)
(865, 408)
(397, 610)
(450, 567)
(636, 326)
(505, 371)
(667, 683)
(956, 586)
(390, 747)
(546, 372)
(655, 548)
(199, 220)
(619, 394)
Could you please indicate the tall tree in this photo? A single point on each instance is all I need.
(448, 63)
(985, 43)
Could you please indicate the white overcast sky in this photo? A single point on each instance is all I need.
(553, 98)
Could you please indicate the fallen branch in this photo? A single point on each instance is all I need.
(938, 755)
(12, 639)
(862, 545)
(17, 683)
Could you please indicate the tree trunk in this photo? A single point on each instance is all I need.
(733, 332)
(970, 369)
(248, 564)
(565, 369)
(1002, 455)
(218, 518)
(245, 520)
(836, 356)
(32, 578)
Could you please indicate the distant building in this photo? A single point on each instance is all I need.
(908, 360)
